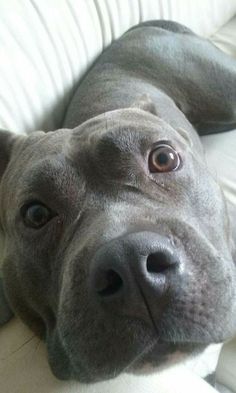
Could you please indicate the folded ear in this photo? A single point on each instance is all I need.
(5, 311)
(7, 140)
(145, 103)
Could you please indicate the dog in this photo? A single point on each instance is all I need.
(117, 242)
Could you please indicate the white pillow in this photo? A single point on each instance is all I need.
(46, 46)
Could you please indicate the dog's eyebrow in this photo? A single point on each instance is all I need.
(50, 178)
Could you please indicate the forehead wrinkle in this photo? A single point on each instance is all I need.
(46, 177)
(91, 130)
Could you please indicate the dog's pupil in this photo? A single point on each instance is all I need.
(37, 214)
(163, 158)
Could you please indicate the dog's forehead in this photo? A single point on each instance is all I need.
(123, 126)
(40, 144)
(93, 144)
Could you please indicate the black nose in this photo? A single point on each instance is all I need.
(138, 262)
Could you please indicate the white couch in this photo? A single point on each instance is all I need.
(45, 48)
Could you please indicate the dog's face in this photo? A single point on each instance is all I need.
(117, 247)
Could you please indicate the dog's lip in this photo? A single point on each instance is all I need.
(184, 345)
(160, 352)
(163, 350)
(161, 347)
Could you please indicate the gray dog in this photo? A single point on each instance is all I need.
(117, 247)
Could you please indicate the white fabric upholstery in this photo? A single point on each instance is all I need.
(45, 48)
(225, 38)
(226, 370)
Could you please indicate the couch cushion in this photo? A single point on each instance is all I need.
(46, 47)
(226, 370)
(225, 37)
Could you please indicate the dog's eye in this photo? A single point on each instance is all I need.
(164, 158)
(36, 215)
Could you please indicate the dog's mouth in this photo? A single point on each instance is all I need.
(155, 357)
(132, 345)
(166, 349)
(145, 352)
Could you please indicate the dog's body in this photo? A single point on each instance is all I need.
(181, 73)
(117, 243)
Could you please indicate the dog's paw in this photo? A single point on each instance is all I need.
(5, 311)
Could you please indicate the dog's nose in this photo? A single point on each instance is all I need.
(143, 261)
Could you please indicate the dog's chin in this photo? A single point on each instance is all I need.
(137, 350)
(155, 359)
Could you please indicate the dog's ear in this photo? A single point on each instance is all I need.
(5, 311)
(7, 141)
(145, 103)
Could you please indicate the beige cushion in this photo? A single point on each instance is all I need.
(226, 370)
(46, 47)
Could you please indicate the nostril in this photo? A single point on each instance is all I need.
(110, 284)
(158, 262)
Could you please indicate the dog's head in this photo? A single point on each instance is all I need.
(117, 247)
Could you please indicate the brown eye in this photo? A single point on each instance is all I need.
(163, 159)
(36, 215)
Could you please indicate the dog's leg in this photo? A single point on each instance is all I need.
(206, 88)
(197, 75)
(166, 25)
